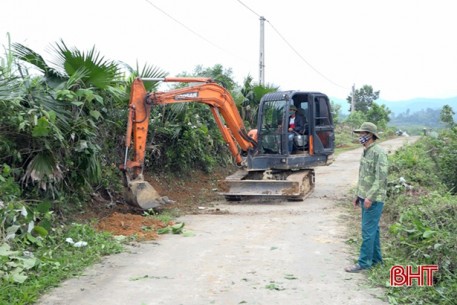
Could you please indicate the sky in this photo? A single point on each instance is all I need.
(404, 48)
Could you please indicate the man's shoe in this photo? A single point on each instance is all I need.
(354, 268)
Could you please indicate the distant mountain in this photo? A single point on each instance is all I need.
(344, 104)
(414, 105)
(418, 104)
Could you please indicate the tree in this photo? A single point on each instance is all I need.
(365, 103)
(70, 101)
(61, 115)
(378, 114)
(364, 98)
(425, 117)
(355, 119)
(447, 116)
(336, 109)
(220, 75)
(185, 136)
(252, 94)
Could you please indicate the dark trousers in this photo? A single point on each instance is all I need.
(291, 141)
(370, 251)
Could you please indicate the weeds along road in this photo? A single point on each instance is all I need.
(267, 252)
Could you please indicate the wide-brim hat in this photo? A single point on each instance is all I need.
(368, 127)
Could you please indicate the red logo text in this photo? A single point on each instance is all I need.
(400, 276)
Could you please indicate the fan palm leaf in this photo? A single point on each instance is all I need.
(28, 55)
(35, 94)
(146, 71)
(260, 91)
(43, 169)
(99, 72)
(76, 79)
(9, 88)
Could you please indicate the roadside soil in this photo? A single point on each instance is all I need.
(197, 194)
(253, 252)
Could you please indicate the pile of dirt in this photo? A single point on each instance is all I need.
(192, 194)
(141, 227)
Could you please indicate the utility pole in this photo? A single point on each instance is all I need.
(353, 99)
(262, 53)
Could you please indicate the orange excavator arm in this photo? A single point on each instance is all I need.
(207, 92)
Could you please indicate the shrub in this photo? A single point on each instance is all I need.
(421, 215)
(443, 151)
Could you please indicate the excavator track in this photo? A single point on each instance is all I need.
(289, 185)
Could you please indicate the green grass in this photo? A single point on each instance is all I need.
(419, 227)
(31, 264)
(57, 261)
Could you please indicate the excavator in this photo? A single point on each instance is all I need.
(266, 165)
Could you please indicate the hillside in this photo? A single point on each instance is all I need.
(418, 104)
(414, 105)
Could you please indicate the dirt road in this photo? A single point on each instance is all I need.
(266, 253)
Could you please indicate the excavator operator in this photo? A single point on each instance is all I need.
(296, 125)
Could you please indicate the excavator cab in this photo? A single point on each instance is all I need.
(272, 169)
(313, 145)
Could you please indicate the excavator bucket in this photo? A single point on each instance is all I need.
(292, 185)
(140, 193)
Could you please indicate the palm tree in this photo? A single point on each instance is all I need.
(78, 99)
(252, 94)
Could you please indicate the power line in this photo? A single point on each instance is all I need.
(192, 31)
(248, 8)
(291, 47)
(183, 25)
(302, 58)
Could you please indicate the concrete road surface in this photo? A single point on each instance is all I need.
(260, 252)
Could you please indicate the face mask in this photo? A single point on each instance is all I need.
(364, 139)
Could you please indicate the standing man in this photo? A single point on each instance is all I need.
(371, 195)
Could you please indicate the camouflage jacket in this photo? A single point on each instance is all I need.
(373, 174)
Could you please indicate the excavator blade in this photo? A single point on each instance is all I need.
(292, 185)
(140, 193)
